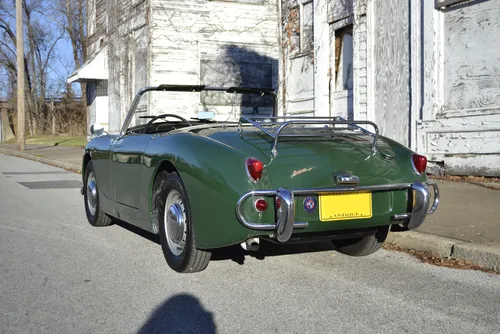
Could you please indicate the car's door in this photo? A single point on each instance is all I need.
(127, 159)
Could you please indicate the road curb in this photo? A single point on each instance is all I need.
(55, 163)
(481, 255)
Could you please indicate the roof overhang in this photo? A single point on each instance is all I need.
(96, 68)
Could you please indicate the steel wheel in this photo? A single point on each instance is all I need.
(172, 215)
(91, 193)
(95, 215)
(175, 222)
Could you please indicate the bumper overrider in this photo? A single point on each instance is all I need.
(420, 196)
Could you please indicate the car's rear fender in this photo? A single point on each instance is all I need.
(381, 172)
(214, 177)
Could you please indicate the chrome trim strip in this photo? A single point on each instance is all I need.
(285, 223)
(397, 186)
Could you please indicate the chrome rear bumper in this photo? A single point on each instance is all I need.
(420, 196)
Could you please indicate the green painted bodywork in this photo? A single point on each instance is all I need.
(211, 165)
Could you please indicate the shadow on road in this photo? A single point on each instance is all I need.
(237, 254)
(136, 230)
(267, 249)
(180, 314)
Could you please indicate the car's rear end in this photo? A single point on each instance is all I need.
(324, 183)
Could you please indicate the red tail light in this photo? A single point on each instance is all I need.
(419, 163)
(260, 205)
(254, 169)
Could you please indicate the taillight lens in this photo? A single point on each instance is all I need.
(278, 203)
(261, 205)
(419, 163)
(254, 169)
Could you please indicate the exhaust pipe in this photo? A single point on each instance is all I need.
(251, 245)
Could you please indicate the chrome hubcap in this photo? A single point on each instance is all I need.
(175, 222)
(91, 193)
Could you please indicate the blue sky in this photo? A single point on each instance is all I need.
(61, 67)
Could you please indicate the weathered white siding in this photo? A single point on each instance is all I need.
(472, 58)
(391, 68)
(429, 76)
(321, 81)
(216, 43)
(211, 42)
(360, 61)
(461, 123)
(97, 103)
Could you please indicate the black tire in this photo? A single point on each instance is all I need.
(362, 246)
(189, 259)
(96, 217)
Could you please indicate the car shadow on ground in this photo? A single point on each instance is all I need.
(136, 230)
(269, 249)
(237, 254)
(181, 313)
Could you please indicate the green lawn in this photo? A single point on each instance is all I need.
(73, 141)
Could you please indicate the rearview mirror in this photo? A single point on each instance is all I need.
(206, 115)
(96, 129)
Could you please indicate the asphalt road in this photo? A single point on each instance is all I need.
(60, 275)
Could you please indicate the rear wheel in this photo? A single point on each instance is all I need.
(173, 221)
(362, 246)
(95, 215)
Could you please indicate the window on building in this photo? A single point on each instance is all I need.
(344, 58)
(102, 88)
(300, 28)
(307, 38)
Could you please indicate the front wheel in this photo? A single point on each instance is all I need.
(362, 246)
(95, 215)
(174, 224)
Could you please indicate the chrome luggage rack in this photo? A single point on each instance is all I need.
(268, 121)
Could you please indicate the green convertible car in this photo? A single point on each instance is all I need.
(202, 184)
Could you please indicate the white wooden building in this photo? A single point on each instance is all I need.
(427, 72)
(137, 43)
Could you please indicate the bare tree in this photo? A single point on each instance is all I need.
(40, 49)
(71, 16)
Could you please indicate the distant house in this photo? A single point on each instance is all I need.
(135, 43)
(427, 72)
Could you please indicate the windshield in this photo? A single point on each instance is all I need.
(227, 107)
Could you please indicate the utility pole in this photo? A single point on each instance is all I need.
(20, 76)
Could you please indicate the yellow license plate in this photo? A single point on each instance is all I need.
(345, 206)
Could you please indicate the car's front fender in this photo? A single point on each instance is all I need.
(98, 150)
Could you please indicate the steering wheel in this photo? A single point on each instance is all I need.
(164, 116)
